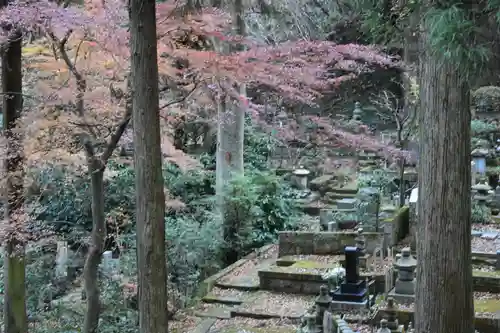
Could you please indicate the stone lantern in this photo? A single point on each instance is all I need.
(481, 193)
(301, 177)
(406, 265)
(322, 302)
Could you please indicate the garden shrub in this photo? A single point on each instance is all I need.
(480, 214)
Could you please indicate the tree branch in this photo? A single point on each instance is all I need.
(180, 100)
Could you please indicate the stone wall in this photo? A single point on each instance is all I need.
(279, 280)
(306, 242)
(486, 283)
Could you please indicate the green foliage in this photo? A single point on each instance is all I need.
(64, 201)
(193, 251)
(479, 127)
(486, 98)
(452, 35)
(480, 214)
(382, 179)
(260, 204)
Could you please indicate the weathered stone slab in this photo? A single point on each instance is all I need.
(219, 313)
(489, 235)
(222, 300)
(205, 325)
(296, 243)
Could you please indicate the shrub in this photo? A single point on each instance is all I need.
(480, 214)
(259, 204)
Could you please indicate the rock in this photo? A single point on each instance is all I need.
(321, 183)
(476, 233)
(489, 235)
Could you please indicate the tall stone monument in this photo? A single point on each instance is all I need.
(353, 291)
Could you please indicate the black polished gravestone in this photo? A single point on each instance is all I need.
(353, 289)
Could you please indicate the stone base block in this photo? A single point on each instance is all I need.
(405, 287)
(348, 306)
(401, 298)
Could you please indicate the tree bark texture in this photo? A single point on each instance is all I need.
(444, 299)
(98, 239)
(15, 319)
(230, 143)
(150, 198)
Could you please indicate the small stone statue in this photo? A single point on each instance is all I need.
(383, 327)
(310, 327)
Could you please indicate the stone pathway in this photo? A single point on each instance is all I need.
(235, 302)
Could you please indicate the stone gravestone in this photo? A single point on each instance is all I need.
(62, 259)
(353, 292)
(109, 265)
(351, 264)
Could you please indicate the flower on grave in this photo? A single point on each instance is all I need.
(334, 276)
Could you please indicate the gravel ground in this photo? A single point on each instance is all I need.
(485, 245)
(483, 268)
(281, 325)
(280, 304)
(183, 323)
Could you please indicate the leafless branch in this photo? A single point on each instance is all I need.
(180, 100)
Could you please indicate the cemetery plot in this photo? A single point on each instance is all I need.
(264, 304)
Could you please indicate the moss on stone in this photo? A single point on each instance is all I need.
(487, 305)
(312, 264)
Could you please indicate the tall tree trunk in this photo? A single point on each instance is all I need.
(444, 299)
(230, 146)
(98, 238)
(15, 319)
(150, 198)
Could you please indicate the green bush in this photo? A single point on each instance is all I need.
(480, 214)
(259, 204)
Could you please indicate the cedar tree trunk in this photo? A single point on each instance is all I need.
(150, 198)
(444, 299)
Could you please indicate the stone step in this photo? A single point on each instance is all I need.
(222, 300)
(216, 312)
(242, 284)
(205, 325)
